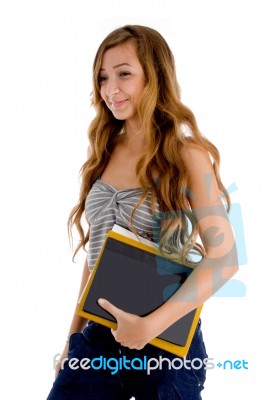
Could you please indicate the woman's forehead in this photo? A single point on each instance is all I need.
(124, 53)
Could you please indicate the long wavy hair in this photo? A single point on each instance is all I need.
(163, 117)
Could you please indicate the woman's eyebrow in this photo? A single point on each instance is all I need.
(117, 66)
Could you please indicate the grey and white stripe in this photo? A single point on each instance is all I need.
(106, 206)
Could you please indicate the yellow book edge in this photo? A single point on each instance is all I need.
(160, 343)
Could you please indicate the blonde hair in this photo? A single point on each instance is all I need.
(163, 117)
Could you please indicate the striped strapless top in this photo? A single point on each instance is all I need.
(106, 206)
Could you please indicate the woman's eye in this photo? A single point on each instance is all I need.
(102, 78)
(124, 74)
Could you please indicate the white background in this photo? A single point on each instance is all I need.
(46, 55)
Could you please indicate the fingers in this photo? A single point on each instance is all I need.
(115, 311)
(127, 326)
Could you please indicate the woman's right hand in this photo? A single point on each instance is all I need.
(78, 323)
(60, 361)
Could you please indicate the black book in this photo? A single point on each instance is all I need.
(135, 277)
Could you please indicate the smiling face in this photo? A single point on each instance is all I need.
(122, 81)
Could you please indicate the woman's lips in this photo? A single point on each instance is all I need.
(117, 104)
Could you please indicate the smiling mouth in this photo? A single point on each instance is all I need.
(117, 104)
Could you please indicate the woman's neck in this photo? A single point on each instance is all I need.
(132, 136)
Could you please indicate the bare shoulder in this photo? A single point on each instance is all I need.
(202, 181)
(195, 156)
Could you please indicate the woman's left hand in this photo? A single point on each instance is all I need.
(132, 331)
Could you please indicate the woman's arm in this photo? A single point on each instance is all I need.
(218, 265)
(78, 323)
(220, 261)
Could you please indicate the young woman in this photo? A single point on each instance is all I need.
(147, 160)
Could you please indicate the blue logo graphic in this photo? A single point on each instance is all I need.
(232, 365)
(236, 255)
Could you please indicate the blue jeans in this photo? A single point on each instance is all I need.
(113, 381)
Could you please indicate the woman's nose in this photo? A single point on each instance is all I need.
(112, 88)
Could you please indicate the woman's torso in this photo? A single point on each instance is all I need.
(106, 206)
(114, 195)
